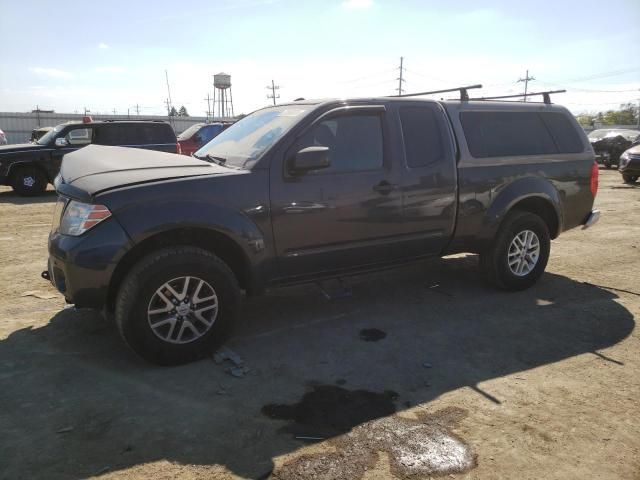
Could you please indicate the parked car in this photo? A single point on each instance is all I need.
(38, 133)
(307, 191)
(609, 143)
(629, 165)
(28, 168)
(3, 138)
(194, 137)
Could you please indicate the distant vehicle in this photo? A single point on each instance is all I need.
(609, 143)
(309, 190)
(629, 164)
(196, 136)
(3, 138)
(38, 133)
(28, 168)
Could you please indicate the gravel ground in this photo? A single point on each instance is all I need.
(484, 384)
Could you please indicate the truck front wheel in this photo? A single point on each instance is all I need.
(176, 305)
(29, 181)
(519, 253)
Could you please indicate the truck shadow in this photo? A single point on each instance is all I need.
(10, 197)
(76, 403)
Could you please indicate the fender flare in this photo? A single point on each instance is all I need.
(514, 193)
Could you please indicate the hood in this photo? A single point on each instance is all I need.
(94, 169)
(635, 150)
(20, 147)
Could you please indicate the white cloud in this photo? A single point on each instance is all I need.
(103, 46)
(110, 69)
(51, 72)
(357, 4)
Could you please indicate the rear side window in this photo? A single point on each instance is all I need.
(504, 134)
(159, 133)
(563, 132)
(424, 138)
(107, 135)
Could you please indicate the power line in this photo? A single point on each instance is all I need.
(273, 87)
(589, 90)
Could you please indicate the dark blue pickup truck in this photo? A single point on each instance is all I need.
(312, 190)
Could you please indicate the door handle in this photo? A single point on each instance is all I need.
(384, 187)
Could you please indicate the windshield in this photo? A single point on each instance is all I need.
(190, 131)
(50, 135)
(246, 140)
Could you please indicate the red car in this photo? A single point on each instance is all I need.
(198, 135)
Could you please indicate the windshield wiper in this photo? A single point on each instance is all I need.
(213, 159)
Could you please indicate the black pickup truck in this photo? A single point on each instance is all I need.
(29, 167)
(312, 190)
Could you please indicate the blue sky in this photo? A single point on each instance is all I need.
(67, 55)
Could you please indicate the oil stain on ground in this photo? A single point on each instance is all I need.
(329, 410)
(372, 334)
(363, 424)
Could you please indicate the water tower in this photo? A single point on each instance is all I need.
(222, 95)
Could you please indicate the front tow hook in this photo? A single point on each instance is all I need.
(46, 275)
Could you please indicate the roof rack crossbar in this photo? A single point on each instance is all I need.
(545, 95)
(463, 92)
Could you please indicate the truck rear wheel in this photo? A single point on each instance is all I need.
(519, 253)
(176, 305)
(29, 181)
(629, 178)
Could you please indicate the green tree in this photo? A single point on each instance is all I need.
(183, 112)
(173, 112)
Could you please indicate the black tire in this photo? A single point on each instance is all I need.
(152, 272)
(607, 164)
(29, 181)
(494, 260)
(629, 178)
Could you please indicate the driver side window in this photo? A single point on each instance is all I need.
(354, 142)
(79, 137)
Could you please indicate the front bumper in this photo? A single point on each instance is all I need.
(630, 167)
(592, 219)
(81, 267)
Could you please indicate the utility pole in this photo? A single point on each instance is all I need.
(114, 111)
(128, 116)
(526, 81)
(137, 109)
(167, 102)
(400, 79)
(208, 99)
(38, 114)
(166, 74)
(273, 89)
(86, 110)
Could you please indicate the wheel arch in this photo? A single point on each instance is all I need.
(16, 166)
(211, 240)
(532, 194)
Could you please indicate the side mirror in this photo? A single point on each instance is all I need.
(310, 158)
(61, 142)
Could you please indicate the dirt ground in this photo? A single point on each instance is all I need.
(485, 384)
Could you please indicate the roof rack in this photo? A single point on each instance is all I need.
(463, 92)
(545, 95)
(132, 120)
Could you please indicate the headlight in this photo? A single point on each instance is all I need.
(624, 159)
(79, 217)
